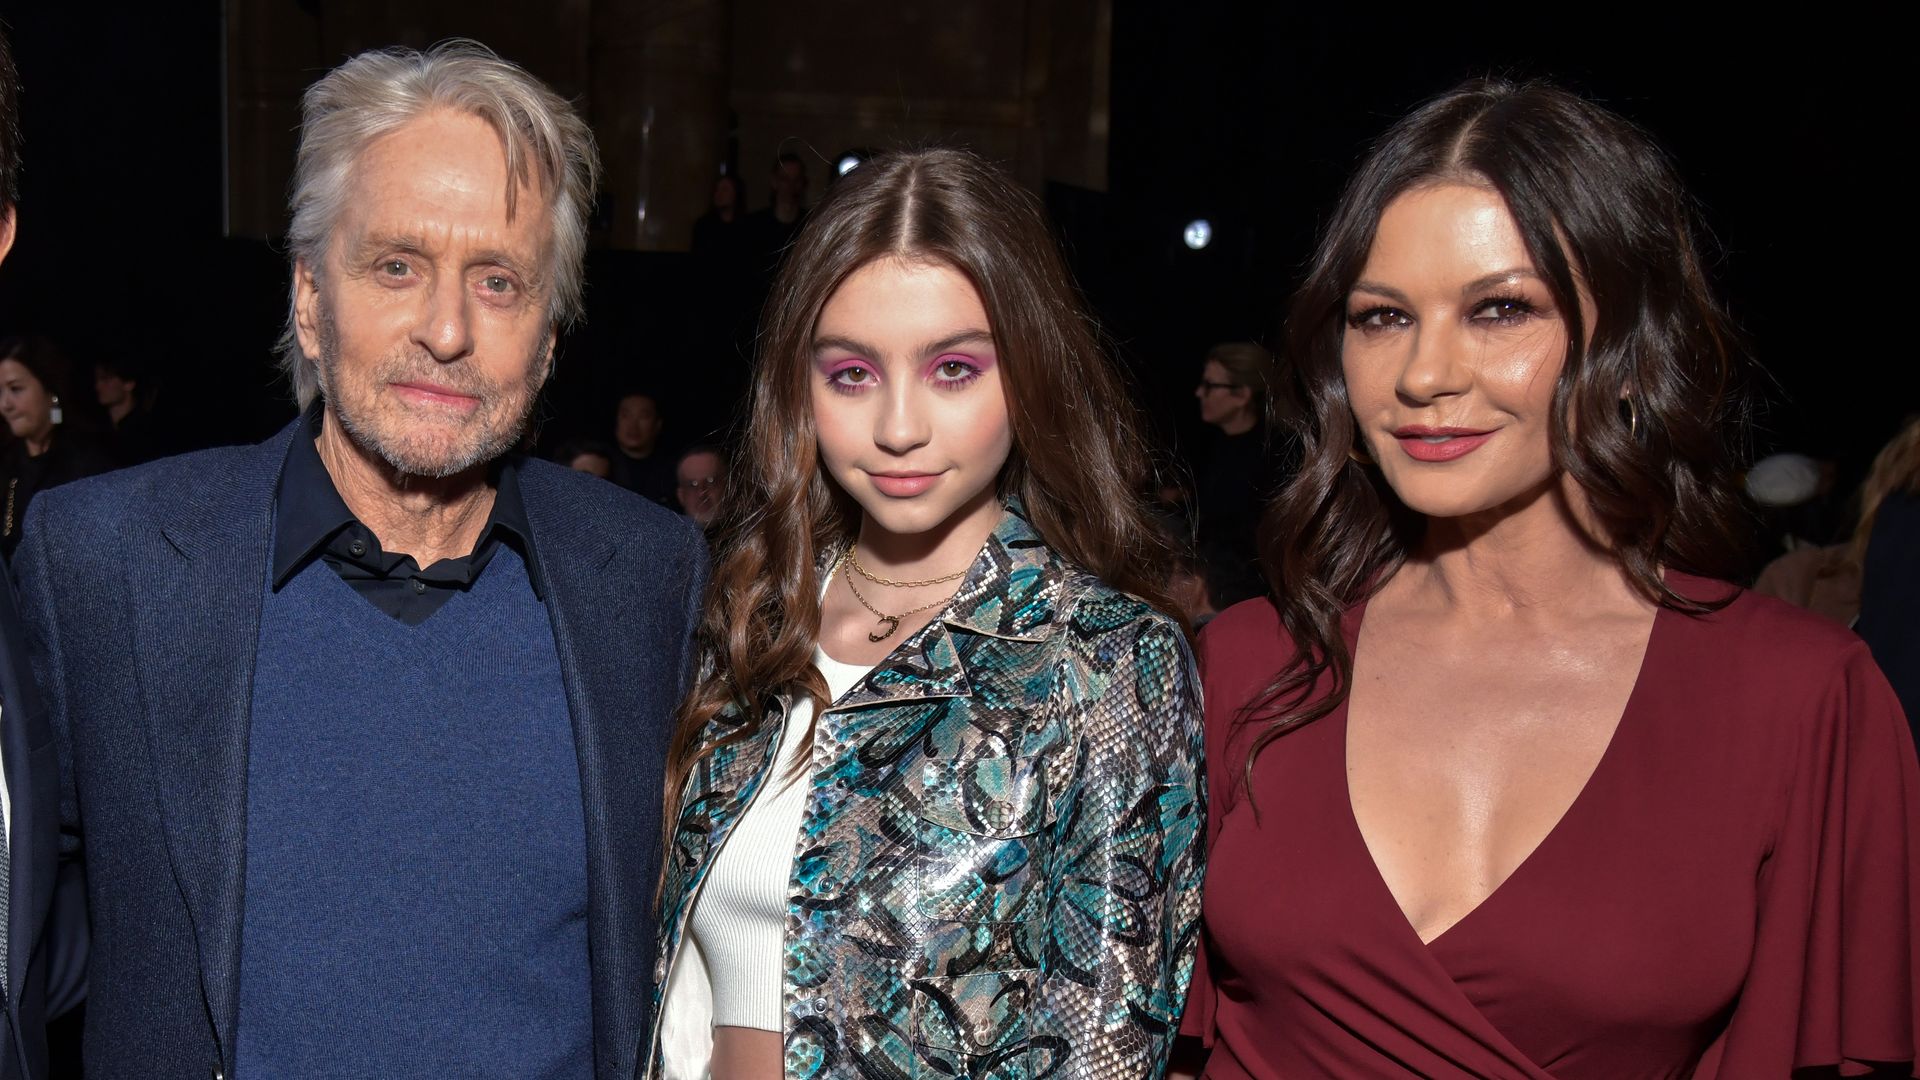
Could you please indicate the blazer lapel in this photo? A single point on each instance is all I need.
(621, 757)
(195, 637)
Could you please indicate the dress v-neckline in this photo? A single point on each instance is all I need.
(1602, 771)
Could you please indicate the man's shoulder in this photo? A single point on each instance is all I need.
(598, 507)
(140, 490)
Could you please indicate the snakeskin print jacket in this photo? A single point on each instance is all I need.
(998, 875)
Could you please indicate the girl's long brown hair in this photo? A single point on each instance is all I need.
(1076, 464)
(1593, 199)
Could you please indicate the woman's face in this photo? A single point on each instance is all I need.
(1451, 354)
(24, 402)
(1221, 398)
(907, 396)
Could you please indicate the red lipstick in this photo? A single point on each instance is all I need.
(1439, 444)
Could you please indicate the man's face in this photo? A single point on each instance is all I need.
(430, 318)
(636, 427)
(111, 389)
(698, 486)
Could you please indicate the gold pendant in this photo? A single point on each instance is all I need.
(892, 623)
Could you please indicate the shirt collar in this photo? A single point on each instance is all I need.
(309, 512)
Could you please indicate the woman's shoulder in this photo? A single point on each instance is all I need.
(1764, 673)
(1240, 653)
(1092, 604)
(1249, 622)
(1246, 637)
(1756, 636)
(1109, 629)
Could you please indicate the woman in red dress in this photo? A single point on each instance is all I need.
(1507, 782)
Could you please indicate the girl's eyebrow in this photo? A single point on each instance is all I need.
(969, 336)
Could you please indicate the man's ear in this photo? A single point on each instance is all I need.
(553, 347)
(306, 308)
(6, 233)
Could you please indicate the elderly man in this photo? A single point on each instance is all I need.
(365, 725)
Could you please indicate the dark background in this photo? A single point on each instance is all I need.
(1248, 116)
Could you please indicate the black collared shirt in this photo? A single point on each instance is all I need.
(310, 520)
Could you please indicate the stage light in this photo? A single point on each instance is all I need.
(1198, 233)
(846, 164)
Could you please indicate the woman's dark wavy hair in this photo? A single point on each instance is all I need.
(1598, 205)
(1076, 463)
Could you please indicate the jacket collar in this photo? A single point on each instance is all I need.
(1014, 586)
(308, 512)
(1012, 591)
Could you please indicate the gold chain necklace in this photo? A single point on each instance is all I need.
(891, 622)
(877, 580)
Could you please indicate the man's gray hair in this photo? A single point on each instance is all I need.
(548, 146)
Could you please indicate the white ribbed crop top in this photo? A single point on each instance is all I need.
(739, 919)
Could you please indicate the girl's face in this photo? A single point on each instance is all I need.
(24, 402)
(907, 397)
(1452, 351)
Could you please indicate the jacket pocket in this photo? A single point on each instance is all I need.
(980, 851)
(978, 782)
(967, 878)
(974, 1025)
(979, 817)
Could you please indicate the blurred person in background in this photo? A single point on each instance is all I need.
(730, 273)
(773, 227)
(700, 482)
(1889, 535)
(42, 452)
(1826, 578)
(640, 467)
(1204, 577)
(589, 456)
(1795, 496)
(127, 394)
(43, 918)
(720, 236)
(1245, 461)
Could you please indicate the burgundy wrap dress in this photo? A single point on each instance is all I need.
(1732, 895)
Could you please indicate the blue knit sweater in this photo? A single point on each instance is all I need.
(416, 888)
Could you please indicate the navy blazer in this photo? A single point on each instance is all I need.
(45, 967)
(142, 592)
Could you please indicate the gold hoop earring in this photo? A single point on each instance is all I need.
(1632, 416)
(1358, 456)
